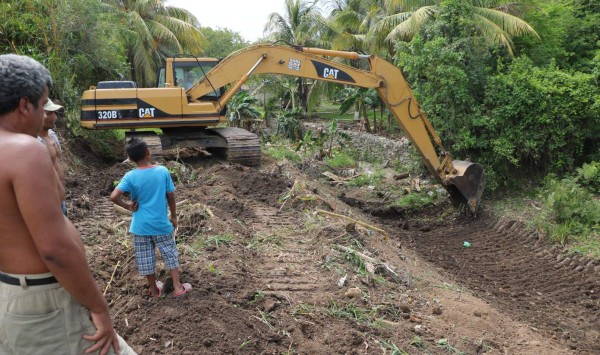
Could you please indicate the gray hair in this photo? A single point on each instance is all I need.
(21, 76)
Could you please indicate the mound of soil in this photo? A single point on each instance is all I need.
(284, 262)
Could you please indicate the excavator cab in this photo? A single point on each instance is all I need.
(185, 72)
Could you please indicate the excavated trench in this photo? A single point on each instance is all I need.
(514, 269)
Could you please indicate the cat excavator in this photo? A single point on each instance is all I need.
(191, 96)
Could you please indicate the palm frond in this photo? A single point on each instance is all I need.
(347, 19)
(511, 24)
(493, 33)
(408, 28)
(165, 37)
(395, 6)
(388, 23)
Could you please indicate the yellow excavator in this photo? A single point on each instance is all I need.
(191, 96)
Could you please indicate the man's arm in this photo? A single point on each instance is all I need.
(55, 238)
(172, 208)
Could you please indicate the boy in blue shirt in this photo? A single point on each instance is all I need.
(151, 188)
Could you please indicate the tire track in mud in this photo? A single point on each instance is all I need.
(284, 272)
(517, 271)
(100, 212)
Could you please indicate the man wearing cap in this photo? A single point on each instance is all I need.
(49, 301)
(50, 139)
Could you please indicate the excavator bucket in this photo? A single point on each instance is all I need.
(466, 184)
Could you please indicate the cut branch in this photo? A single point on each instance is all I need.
(385, 235)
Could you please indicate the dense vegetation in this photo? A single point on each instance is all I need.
(513, 86)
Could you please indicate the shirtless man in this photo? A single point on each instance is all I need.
(49, 301)
(50, 139)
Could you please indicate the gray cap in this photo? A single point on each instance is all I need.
(51, 106)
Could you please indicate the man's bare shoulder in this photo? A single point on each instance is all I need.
(17, 149)
(17, 139)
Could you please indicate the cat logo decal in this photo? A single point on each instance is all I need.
(328, 72)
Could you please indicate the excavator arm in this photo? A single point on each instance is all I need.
(463, 180)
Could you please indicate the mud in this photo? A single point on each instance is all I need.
(266, 268)
(515, 270)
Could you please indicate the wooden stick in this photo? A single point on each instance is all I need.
(111, 277)
(107, 228)
(361, 255)
(208, 211)
(290, 195)
(355, 221)
(386, 322)
(122, 210)
(379, 265)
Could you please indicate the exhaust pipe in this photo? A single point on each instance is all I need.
(466, 183)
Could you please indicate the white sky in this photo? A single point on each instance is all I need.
(246, 17)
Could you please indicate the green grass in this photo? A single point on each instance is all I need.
(388, 345)
(302, 310)
(444, 344)
(415, 200)
(350, 311)
(373, 179)
(258, 242)
(258, 295)
(586, 244)
(281, 153)
(341, 160)
(213, 269)
(356, 261)
(219, 240)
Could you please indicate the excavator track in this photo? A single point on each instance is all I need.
(243, 147)
(238, 145)
(152, 140)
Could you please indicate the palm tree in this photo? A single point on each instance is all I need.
(156, 31)
(296, 26)
(351, 20)
(498, 21)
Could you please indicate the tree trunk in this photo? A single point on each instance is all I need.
(375, 127)
(365, 118)
(303, 96)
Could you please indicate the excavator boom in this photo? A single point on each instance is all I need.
(203, 103)
(463, 180)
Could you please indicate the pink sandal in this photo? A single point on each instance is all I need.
(186, 288)
(160, 285)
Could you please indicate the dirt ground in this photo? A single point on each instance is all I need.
(274, 271)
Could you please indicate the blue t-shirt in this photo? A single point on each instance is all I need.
(149, 186)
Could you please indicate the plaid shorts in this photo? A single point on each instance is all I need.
(145, 255)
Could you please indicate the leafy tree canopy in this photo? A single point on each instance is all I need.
(221, 42)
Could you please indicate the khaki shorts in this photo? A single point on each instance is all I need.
(44, 320)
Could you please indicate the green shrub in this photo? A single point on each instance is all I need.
(288, 124)
(589, 176)
(568, 209)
